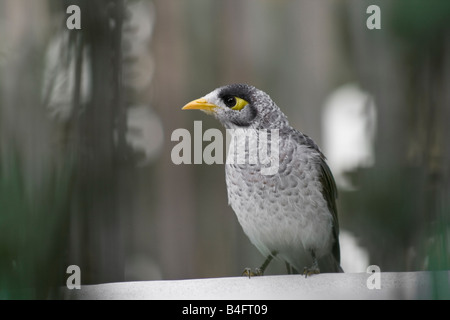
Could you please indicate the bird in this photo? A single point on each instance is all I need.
(290, 214)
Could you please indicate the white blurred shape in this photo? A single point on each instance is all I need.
(59, 77)
(354, 258)
(139, 24)
(145, 132)
(348, 124)
(139, 65)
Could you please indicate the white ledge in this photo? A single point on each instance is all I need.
(404, 285)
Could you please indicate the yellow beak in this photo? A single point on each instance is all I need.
(200, 104)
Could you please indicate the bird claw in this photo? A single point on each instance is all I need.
(310, 271)
(259, 272)
(249, 273)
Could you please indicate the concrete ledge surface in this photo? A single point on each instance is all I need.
(404, 285)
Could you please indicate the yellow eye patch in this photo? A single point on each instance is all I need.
(240, 103)
(235, 103)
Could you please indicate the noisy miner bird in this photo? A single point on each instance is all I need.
(289, 215)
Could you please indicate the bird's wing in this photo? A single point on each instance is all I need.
(330, 194)
(329, 190)
(327, 180)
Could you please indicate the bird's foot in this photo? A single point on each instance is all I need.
(249, 273)
(314, 269)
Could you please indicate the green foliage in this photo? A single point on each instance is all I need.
(421, 22)
(33, 230)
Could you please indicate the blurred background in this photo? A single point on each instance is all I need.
(86, 118)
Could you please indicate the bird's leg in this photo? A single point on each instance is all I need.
(314, 269)
(259, 271)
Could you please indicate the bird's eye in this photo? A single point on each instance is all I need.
(234, 103)
(230, 101)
